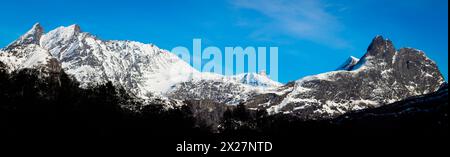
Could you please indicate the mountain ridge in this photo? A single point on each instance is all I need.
(382, 76)
(142, 69)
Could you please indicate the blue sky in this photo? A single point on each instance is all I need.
(313, 36)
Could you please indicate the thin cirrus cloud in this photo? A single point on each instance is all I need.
(302, 19)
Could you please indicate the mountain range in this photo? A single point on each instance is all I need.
(382, 76)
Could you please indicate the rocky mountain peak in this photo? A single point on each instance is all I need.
(382, 76)
(380, 47)
(76, 28)
(64, 41)
(26, 52)
(33, 36)
(63, 33)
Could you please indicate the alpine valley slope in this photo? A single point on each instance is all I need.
(143, 70)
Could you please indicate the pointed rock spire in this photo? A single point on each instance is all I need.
(33, 36)
(76, 28)
(380, 47)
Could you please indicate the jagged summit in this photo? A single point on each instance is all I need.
(33, 36)
(76, 27)
(382, 76)
(380, 47)
(61, 34)
(380, 53)
(26, 52)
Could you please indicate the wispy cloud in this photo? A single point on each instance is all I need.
(303, 19)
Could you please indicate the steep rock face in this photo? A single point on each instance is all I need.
(382, 76)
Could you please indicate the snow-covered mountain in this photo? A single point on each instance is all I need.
(383, 75)
(144, 70)
(255, 79)
(230, 90)
(26, 52)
